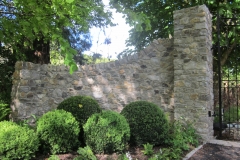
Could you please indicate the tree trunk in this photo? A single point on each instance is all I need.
(227, 53)
(41, 51)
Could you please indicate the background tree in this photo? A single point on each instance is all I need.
(6, 70)
(30, 25)
(153, 19)
(95, 58)
(78, 40)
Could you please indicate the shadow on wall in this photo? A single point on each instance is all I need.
(147, 75)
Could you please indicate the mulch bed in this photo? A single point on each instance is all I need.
(207, 152)
(216, 152)
(135, 152)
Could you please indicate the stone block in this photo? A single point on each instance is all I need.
(19, 65)
(204, 97)
(202, 25)
(23, 89)
(154, 77)
(25, 74)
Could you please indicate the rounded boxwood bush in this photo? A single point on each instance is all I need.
(17, 142)
(81, 107)
(107, 132)
(58, 131)
(148, 123)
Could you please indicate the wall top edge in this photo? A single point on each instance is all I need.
(128, 59)
(199, 8)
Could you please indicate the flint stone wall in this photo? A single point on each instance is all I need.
(175, 74)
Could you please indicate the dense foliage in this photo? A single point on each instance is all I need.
(180, 139)
(96, 58)
(58, 131)
(107, 132)
(81, 107)
(25, 24)
(4, 111)
(17, 142)
(148, 123)
(7, 62)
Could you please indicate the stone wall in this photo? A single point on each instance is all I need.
(175, 74)
(193, 67)
(147, 75)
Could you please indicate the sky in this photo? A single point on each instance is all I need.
(118, 35)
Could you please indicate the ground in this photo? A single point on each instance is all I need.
(208, 151)
(216, 152)
(135, 152)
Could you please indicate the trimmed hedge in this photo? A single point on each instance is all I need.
(58, 131)
(107, 132)
(17, 142)
(81, 107)
(148, 123)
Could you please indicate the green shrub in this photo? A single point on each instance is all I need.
(148, 123)
(53, 157)
(148, 149)
(181, 137)
(58, 131)
(81, 107)
(27, 122)
(17, 142)
(231, 114)
(85, 154)
(4, 111)
(107, 132)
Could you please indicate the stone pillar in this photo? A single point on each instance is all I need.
(193, 70)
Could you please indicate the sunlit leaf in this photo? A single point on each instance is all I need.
(69, 1)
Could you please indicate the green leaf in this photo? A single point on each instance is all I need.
(69, 1)
(168, 7)
(73, 68)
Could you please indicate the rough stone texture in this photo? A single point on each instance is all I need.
(232, 133)
(193, 73)
(147, 75)
(174, 74)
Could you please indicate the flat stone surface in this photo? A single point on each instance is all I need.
(225, 143)
(218, 143)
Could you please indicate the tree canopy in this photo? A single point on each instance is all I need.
(23, 22)
(153, 19)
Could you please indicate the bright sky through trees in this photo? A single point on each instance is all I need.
(118, 34)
